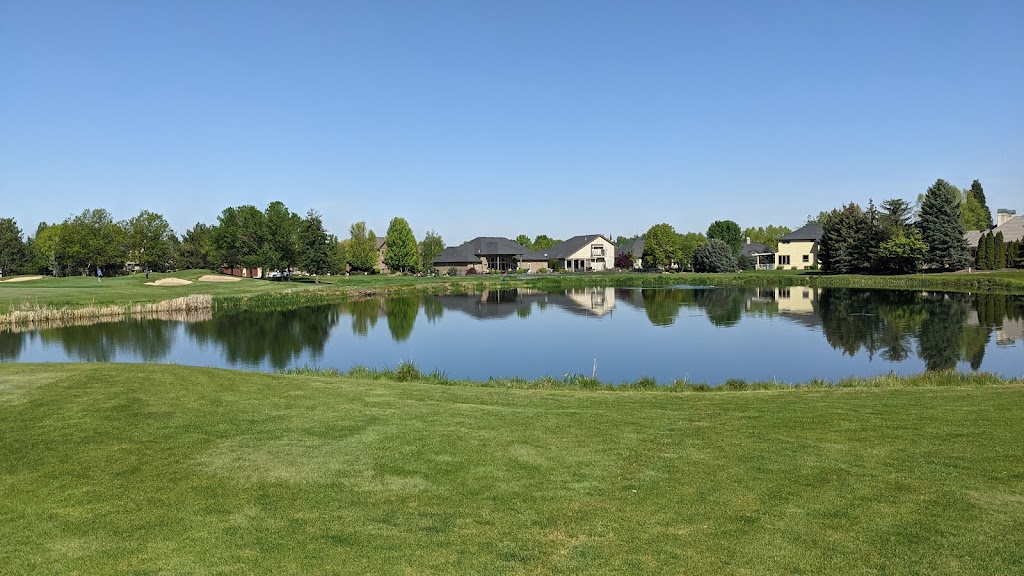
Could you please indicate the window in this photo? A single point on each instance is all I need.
(806, 258)
(597, 251)
(784, 260)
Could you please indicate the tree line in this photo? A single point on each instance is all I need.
(274, 238)
(899, 240)
(719, 249)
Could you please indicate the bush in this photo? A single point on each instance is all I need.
(714, 256)
(471, 272)
(543, 271)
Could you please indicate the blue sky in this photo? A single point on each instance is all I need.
(499, 118)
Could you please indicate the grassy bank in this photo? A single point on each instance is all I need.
(165, 469)
(55, 298)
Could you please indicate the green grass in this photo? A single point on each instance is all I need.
(144, 469)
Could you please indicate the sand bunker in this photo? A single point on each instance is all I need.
(170, 282)
(221, 278)
(21, 279)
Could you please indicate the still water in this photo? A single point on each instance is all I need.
(699, 334)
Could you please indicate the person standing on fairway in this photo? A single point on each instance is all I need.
(99, 274)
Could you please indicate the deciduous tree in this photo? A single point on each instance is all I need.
(401, 253)
(431, 247)
(661, 247)
(362, 248)
(729, 232)
(149, 240)
(316, 247)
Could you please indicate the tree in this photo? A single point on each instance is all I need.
(714, 256)
(92, 239)
(402, 253)
(362, 248)
(316, 247)
(973, 215)
(903, 253)
(196, 250)
(895, 216)
(543, 242)
(688, 244)
(821, 219)
(838, 250)
(978, 194)
(982, 258)
(13, 253)
(999, 254)
(661, 248)
(149, 240)
(253, 249)
(941, 228)
(431, 247)
(281, 237)
(624, 260)
(768, 235)
(729, 232)
(524, 240)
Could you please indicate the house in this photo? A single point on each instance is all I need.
(382, 248)
(1007, 222)
(590, 253)
(488, 253)
(634, 247)
(761, 255)
(799, 249)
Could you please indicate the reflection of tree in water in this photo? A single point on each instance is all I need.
(11, 344)
(939, 338)
(401, 311)
(149, 339)
(724, 306)
(278, 337)
(662, 305)
(364, 314)
(851, 320)
(432, 309)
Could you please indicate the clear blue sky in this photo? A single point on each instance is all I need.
(499, 118)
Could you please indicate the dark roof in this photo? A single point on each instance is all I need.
(566, 248)
(808, 232)
(472, 251)
(634, 246)
(754, 248)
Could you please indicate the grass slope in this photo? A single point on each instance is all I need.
(165, 469)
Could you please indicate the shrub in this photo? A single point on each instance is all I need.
(543, 271)
(714, 256)
(407, 371)
(453, 271)
(471, 272)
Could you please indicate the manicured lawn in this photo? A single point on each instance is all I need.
(114, 469)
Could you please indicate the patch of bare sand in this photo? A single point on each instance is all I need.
(170, 282)
(22, 279)
(219, 278)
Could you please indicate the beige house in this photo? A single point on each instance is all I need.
(382, 248)
(799, 250)
(589, 253)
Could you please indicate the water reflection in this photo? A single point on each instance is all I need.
(874, 329)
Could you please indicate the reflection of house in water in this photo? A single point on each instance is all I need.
(521, 301)
(796, 299)
(1008, 331)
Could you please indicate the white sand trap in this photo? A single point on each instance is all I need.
(22, 279)
(221, 278)
(170, 282)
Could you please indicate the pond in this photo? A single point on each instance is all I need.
(699, 334)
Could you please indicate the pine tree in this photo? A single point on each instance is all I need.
(981, 259)
(999, 254)
(941, 228)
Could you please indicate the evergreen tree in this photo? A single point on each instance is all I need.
(990, 251)
(941, 228)
(401, 253)
(13, 253)
(999, 254)
(978, 193)
(841, 250)
(714, 256)
(896, 214)
(981, 258)
(1013, 255)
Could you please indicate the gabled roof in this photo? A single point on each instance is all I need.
(483, 246)
(381, 240)
(1012, 229)
(568, 247)
(634, 246)
(810, 232)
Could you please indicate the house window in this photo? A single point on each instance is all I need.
(783, 293)
(597, 251)
(807, 294)
(806, 258)
(784, 260)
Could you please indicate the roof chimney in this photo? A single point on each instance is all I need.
(1003, 216)
(748, 239)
